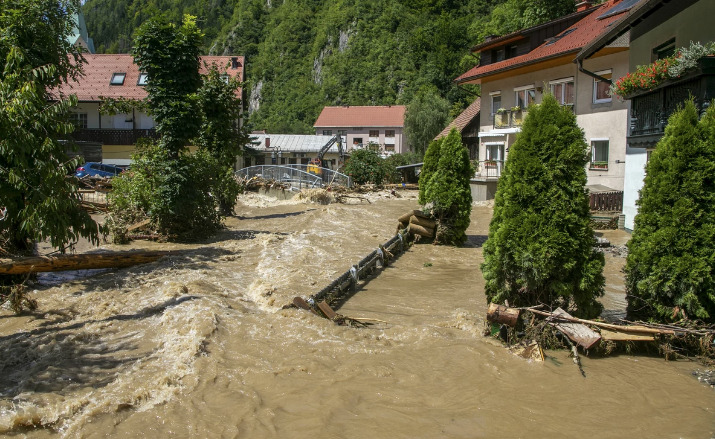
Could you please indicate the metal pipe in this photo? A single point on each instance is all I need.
(579, 63)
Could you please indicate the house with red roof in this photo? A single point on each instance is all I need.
(380, 127)
(517, 69)
(117, 77)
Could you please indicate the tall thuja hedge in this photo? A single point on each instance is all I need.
(540, 247)
(449, 192)
(429, 166)
(670, 267)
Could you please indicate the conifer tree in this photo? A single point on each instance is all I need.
(449, 192)
(540, 245)
(429, 166)
(669, 270)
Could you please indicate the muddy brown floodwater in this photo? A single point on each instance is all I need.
(197, 345)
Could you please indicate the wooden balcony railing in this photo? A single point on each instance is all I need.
(113, 136)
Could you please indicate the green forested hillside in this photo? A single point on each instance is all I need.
(305, 54)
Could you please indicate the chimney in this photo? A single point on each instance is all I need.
(268, 142)
(583, 5)
(234, 62)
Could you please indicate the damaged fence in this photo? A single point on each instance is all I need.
(345, 285)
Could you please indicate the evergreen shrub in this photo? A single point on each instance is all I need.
(429, 166)
(540, 247)
(448, 191)
(366, 166)
(670, 266)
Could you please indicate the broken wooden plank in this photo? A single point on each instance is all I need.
(327, 310)
(529, 351)
(577, 332)
(138, 225)
(619, 328)
(503, 315)
(299, 302)
(83, 261)
(624, 336)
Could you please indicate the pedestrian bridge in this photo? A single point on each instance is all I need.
(298, 176)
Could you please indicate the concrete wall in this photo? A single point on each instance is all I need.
(692, 24)
(636, 159)
(483, 190)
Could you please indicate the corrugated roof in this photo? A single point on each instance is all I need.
(99, 69)
(373, 116)
(292, 142)
(465, 117)
(569, 41)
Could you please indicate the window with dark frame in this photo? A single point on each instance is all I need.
(79, 120)
(599, 155)
(142, 79)
(664, 50)
(389, 133)
(496, 103)
(374, 133)
(327, 132)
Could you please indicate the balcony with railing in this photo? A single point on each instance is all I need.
(509, 118)
(651, 109)
(113, 136)
(489, 169)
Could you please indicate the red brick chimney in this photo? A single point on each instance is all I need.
(583, 5)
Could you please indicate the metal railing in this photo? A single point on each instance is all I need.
(113, 136)
(509, 118)
(490, 169)
(299, 176)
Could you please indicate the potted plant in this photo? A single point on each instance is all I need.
(490, 163)
(501, 118)
(599, 165)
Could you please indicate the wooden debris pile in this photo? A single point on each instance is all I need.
(537, 329)
(418, 224)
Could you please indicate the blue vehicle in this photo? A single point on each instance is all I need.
(94, 169)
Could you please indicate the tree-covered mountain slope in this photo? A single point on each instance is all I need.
(304, 54)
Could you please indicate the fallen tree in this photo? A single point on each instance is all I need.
(37, 264)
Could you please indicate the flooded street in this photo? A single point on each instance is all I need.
(197, 345)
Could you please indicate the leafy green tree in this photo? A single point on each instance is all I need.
(449, 192)
(37, 201)
(541, 247)
(429, 167)
(220, 134)
(671, 255)
(426, 115)
(393, 175)
(169, 54)
(167, 183)
(513, 15)
(365, 166)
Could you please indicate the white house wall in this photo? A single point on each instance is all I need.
(636, 159)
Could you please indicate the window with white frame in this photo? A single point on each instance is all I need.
(494, 151)
(599, 154)
(525, 96)
(496, 101)
(79, 120)
(562, 89)
(601, 92)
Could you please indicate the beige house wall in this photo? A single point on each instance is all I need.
(692, 24)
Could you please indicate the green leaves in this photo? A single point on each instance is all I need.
(41, 202)
(669, 270)
(444, 184)
(540, 245)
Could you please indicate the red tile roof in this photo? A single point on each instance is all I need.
(99, 69)
(348, 116)
(573, 39)
(465, 117)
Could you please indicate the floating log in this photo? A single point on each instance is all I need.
(419, 230)
(503, 315)
(577, 332)
(427, 223)
(79, 262)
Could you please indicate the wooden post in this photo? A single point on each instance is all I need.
(503, 315)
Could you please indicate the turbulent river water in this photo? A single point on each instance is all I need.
(197, 345)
